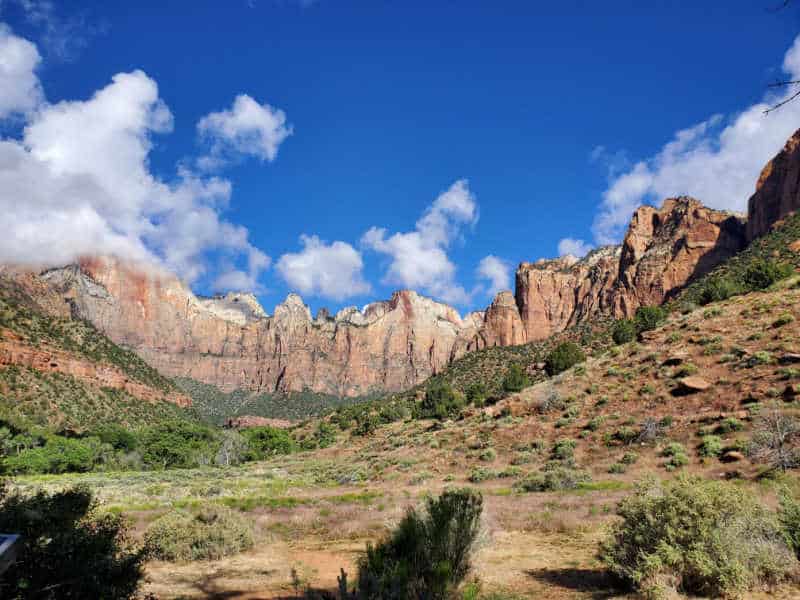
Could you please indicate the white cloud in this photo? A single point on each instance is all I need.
(717, 160)
(62, 37)
(329, 270)
(573, 247)
(78, 183)
(497, 272)
(248, 128)
(20, 92)
(419, 258)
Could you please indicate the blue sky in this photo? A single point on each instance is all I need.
(545, 123)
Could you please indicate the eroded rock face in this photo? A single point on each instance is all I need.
(663, 249)
(667, 247)
(777, 190)
(391, 345)
(231, 343)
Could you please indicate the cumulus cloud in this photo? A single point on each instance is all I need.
(20, 91)
(496, 272)
(573, 247)
(329, 270)
(418, 259)
(78, 182)
(717, 160)
(248, 128)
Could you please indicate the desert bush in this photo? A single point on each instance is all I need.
(789, 515)
(648, 318)
(69, 550)
(762, 273)
(516, 379)
(564, 449)
(717, 288)
(441, 402)
(710, 446)
(776, 440)
(266, 441)
(728, 425)
(429, 553)
(209, 535)
(476, 394)
(366, 423)
(701, 537)
(563, 357)
(624, 331)
(554, 479)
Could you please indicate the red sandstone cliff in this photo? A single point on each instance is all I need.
(777, 190)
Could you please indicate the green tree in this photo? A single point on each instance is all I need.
(648, 318)
(263, 442)
(69, 550)
(516, 379)
(178, 444)
(624, 331)
(564, 356)
(441, 401)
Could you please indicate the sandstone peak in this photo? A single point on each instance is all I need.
(777, 190)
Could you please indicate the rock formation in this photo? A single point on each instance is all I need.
(663, 249)
(777, 190)
(231, 343)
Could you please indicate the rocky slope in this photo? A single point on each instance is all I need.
(61, 372)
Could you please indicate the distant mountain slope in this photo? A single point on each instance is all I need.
(61, 372)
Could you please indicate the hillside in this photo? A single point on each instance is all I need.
(62, 373)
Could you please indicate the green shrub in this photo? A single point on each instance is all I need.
(729, 425)
(178, 444)
(117, 436)
(57, 455)
(760, 274)
(710, 446)
(516, 379)
(476, 394)
(789, 515)
(563, 357)
(68, 549)
(617, 468)
(429, 553)
(441, 402)
(706, 538)
(648, 318)
(717, 288)
(564, 449)
(629, 458)
(266, 441)
(783, 319)
(624, 331)
(366, 423)
(209, 535)
(555, 479)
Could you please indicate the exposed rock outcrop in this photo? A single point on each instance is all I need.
(777, 190)
(664, 248)
(231, 343)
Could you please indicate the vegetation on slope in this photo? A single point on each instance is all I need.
(216, 406)
(18, 313)
(766, 260)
